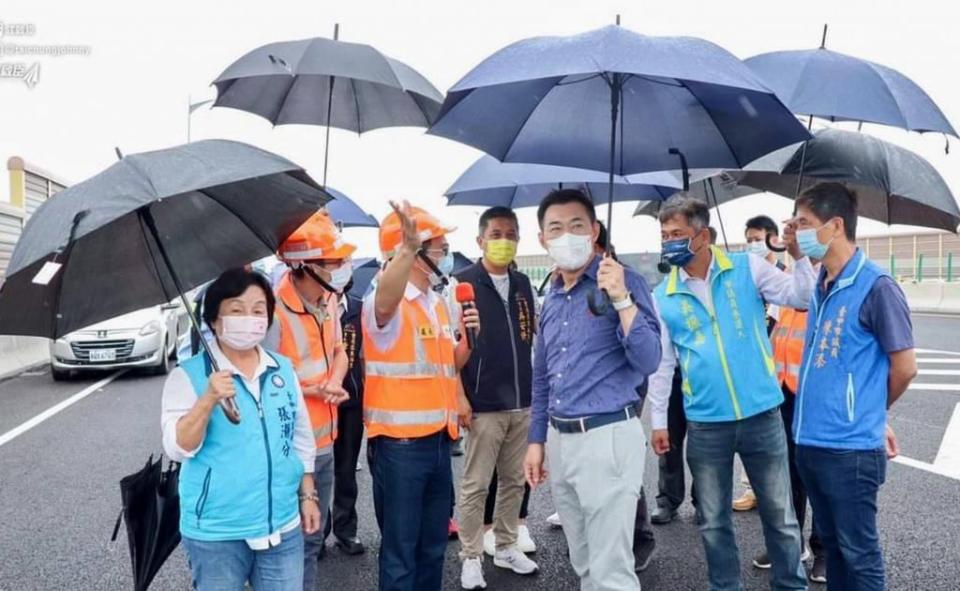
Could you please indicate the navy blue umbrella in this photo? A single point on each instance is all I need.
(489, 182)
(839, 87)
(364, 270)
(348, 214)
(566, 101)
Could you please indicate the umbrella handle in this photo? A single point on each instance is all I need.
(598, 301)
(773, 247)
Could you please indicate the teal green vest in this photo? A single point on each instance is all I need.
(244, 481)
(725, 359)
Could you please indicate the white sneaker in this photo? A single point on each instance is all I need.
(806, 553)
(554, 520)
(515, 560)
(489, 543)
(471, 576)
(524, 542)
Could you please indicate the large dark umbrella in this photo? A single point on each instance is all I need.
(328, 82)
(347, 213)
(894, 185)
(148, 229)
(839, 87)
(151, 512)
(489, 182)
(619, 102)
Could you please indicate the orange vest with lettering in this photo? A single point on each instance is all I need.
(410, 390)
(311, 344)
(787, 339)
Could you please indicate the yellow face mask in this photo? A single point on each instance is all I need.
(500, 252)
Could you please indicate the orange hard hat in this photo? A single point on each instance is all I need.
(428, 228)
(317, 238)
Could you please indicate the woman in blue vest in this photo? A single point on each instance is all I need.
(246, 490)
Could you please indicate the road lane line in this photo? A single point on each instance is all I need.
(24, 427)
(938, 359)
(938, 372)
(948, 458)
(926, 467)
(936, 387)
(936, 351)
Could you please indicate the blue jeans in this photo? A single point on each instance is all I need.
(313, 543)
(412, 480)
(762, 446)
(226, 566)
(842, 486)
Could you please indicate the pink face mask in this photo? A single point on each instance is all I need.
(243, 332)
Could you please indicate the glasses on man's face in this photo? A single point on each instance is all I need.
(437, 252)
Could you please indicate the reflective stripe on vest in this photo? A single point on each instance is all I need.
(307, 346)
(410, 390)
(788, 341)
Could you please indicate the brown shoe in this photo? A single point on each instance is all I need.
(746, 502)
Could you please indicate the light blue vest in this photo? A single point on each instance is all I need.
(842, 399)
(725, 358)
(244, 481)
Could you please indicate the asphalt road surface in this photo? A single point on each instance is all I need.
(59, 492)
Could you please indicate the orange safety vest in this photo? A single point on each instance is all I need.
(311, 344)
(787, 339)
(411, 390)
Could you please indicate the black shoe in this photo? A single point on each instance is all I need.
(643, 554)
(818, 574)
(663, 516)
(456, 448)
(351, 546)
(762, 561)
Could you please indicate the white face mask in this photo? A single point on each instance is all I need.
(758, 248)
(242, 332)
(571, 251)
(340, 277)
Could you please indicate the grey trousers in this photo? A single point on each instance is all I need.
(595, 479)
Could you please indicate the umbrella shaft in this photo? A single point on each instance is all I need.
(615, 87)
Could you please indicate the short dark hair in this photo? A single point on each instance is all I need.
(497, 212)
(713, 234)
(694, 211)
(562, 197)
(832, 200)
(763, 223)
(602, 236)
(232, 284)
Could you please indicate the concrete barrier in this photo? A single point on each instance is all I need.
(18, 354)
(924, 297)
(950, 303)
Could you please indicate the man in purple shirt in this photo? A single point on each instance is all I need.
(585, 373)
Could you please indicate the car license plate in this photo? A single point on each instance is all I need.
(103, 355)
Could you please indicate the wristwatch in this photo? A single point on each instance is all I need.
(624, 303)
(310, 496)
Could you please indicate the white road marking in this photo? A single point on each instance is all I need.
(938, 360)
(30, 424)
(933, 469)
(935, 351)
(938, 372)
(935, 387)
(948, 458)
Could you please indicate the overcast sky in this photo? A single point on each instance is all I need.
(147, 58)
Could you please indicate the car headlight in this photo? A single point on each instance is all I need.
(152, 327)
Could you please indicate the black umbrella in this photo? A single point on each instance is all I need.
(331, 83)
(151, 511)
(146, 230)
(894, 185)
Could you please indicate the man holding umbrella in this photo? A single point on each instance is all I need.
(308, 332)
(584, 408)
(713, 323)
(410, 397)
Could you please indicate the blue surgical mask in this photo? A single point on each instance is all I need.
(677, 252)
(810, 245)
(446, 264)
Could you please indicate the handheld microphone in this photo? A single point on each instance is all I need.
(466, 298)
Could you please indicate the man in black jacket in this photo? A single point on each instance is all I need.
(497, 383)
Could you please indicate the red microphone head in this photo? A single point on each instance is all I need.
(465, 293)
